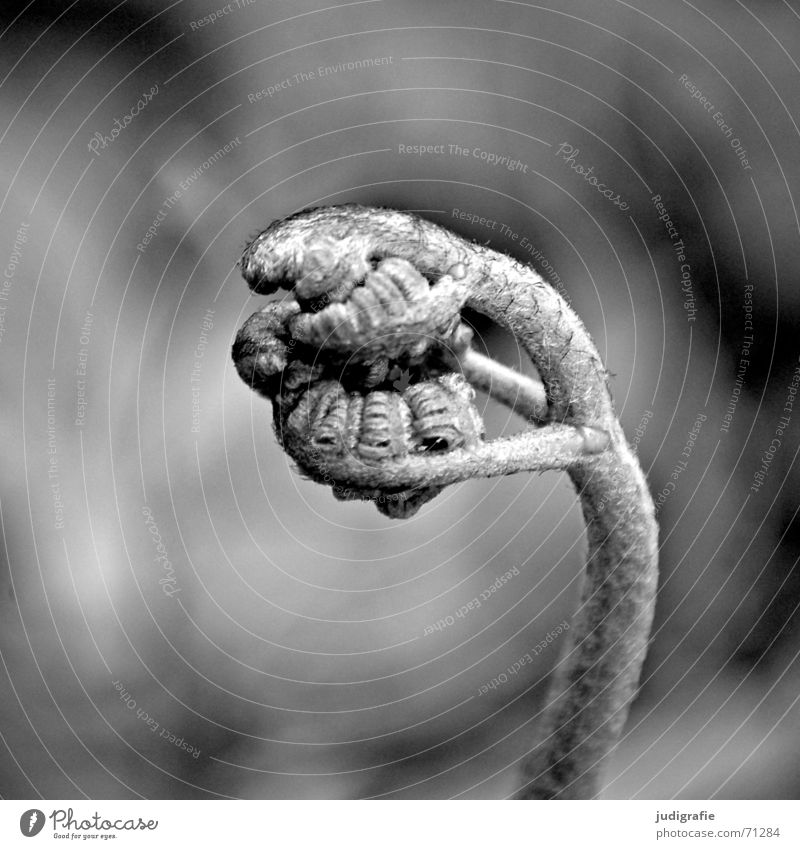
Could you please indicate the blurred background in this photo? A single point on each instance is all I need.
(183, 616)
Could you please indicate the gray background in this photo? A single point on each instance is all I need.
(292, 652)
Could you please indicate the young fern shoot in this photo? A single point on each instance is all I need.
(376, 295)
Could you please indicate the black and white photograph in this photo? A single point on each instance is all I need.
(400, 402)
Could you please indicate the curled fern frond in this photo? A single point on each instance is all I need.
(372, 375)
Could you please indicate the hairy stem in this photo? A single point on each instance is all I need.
(522, 394)
(550, 448)
(597, 680)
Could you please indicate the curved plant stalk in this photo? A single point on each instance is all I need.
(328, 250)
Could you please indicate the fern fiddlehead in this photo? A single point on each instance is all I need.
(375, 293)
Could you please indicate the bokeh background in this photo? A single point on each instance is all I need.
(275, 645)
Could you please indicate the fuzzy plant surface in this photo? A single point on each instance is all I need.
(371, 375)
